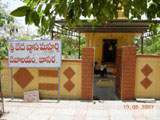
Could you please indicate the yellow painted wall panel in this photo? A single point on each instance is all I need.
(18, 91)
(5, 79)
(153, 91)
(76, 79)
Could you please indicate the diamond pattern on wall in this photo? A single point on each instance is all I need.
(23, 77)
(69, 73)
(69, 85)
(147, 70)
(146, 83)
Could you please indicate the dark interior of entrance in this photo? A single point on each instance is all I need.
(104, 87)
(109, 50)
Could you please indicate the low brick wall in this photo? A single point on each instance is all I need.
(45, 80)
(76, 79)
(137, 75)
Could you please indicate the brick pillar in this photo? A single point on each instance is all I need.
(128, 72)
(87, 73)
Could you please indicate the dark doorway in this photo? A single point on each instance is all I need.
(109, 50)
(104, 87)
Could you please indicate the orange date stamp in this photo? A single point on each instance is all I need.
(136, 107)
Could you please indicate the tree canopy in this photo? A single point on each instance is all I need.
(151, 43)
(4, 17)
(44, 12)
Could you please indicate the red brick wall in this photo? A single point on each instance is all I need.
(87, 73)
(126, 67)
(128, 72)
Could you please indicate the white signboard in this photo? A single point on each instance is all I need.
(35, 54)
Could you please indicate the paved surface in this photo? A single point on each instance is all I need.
(80, 110)
(105, 93)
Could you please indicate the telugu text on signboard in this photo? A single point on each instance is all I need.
(35, 54)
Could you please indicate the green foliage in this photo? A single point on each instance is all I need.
(35, 18)
(20, 12)
(154, 29)
(72, 10)
(3, 50)
(4, 17)
(70, 45)
(151, 44)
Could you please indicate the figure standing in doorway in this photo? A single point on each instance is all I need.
(103, 70)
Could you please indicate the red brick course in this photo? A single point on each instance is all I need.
(48, 86)
(87, 73)
(48, 73)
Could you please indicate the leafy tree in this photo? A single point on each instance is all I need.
(151, 44)
(3, 50)
(4, 19)
(70, 45)
(70, 40)
(44, 12)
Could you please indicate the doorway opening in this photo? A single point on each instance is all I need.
(104, 86)
(109, 51)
